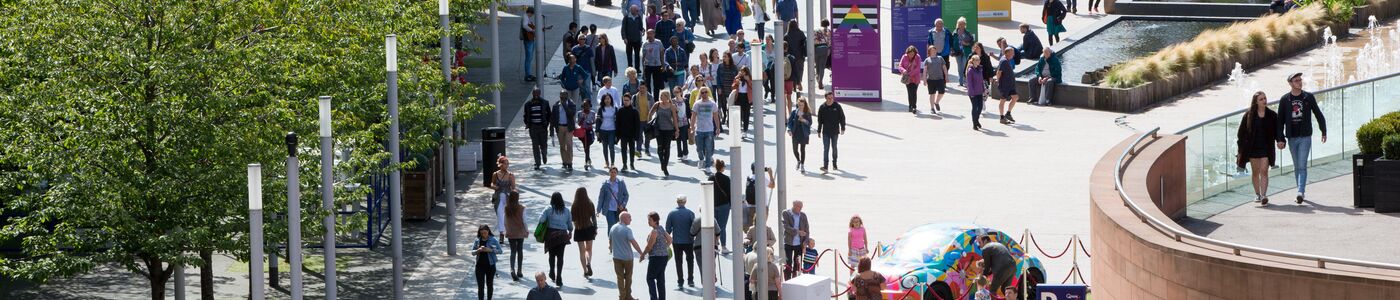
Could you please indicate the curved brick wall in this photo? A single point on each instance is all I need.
(1134, 261)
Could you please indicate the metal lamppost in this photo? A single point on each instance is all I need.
(179, 282)
(327, 195)
(450, 161)
(736, 202)
(294, 214)
(255, 233)
(495, 62)
(395, 181)
(811, 62)
(539, 44)
(780, 28)
(760, 182)
(707, 241)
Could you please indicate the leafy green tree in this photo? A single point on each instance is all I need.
(128, 124)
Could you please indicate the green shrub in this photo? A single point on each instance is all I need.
(1392, 146)
(1394, 115)
(1369, 135)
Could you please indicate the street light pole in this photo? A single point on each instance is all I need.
(327, 195)
(736, 202)
(539, 45)
(450, 162)
(255, 233)
(707, 241)
(779, 29)
(810, 64)
(495, 62)
(760, 182)
(294, 214)
(395, 182)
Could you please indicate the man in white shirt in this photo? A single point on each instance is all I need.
(608, 89)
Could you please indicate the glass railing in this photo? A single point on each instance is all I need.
(1211, 148)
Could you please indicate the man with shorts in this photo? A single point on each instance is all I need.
(936, 77)
(1006, 84)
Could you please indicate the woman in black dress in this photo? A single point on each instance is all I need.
(585, 229)
(1256, 144)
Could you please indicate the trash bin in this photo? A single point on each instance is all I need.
(493, 144)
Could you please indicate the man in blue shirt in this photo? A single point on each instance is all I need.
(542, 290)
(619, 238)
(678, 224)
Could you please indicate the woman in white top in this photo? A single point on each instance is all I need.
(682, 102)
(607, 128)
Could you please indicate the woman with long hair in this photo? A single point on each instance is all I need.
(515, 235)
(799, 127)
(910, 73)
(1257, 133)
(663, 116)
(725, 80)
(560, 226)
(976, 90)
(741, 89)
(858, 245)
(485, 248)
(585, 219)
(962, 48)
(585, 120)
(657, 250)
(607, 129)
(867, 283)
(503, 182)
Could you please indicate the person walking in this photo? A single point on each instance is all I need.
(574, 77)
(741, 97)
(1006, 85)
(515, 235)
(1047, 76)
(653, 63)
(795, 229)
(940, 37)
(542, 290)
(831, 124)
(621, 243)
(771, 270)
(666, 27)
(586, 120)
(976, 90)
(712, 16)
(725, 77)
(799, 127)
(1054, 15)
(681, 101)
(1295, 128)
(936, 78)
(486, 246)
(962, 48)
(679, 224)
(612, 197)
(562, 119)
(997, 263)
(690, 11)
(866, 285)
(605, 59)
(502, 183)
(628, 120)
(559, 224)
(732, 16)
(585, 217)
(703, 126)
(663, 117)
(677, 62)
(632, 36)
(821, 44)
(658, 244)
(583, 55)
(607, 128)
(910, 71)
(722, 203)
(536, 118)
(606, 87)
(857, 246)
(1256, 135)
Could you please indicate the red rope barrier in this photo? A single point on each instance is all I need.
(1042, 251)
(1081, 247)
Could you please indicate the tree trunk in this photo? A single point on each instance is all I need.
(206, 274)
(157, 276)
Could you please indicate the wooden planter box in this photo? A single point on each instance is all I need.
(1385, 184)
(417, 199)
(1362, 195)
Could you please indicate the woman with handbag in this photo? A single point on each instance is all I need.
(663, 121)
(741, 93)
(658, 251)
(585, 219)
(1256, 136)
(682, 121)
(485, 248)
(799, 126)
(503, 182)
(515, 235)
(559, 226)
(584, 132)
(910, 71)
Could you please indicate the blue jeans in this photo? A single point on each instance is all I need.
(1300, 148)
(705, 143)
(962, 69)
(722, 221)
(611, 216)
(691, 11)
(829, 146)
(529, 57)
(609, 138)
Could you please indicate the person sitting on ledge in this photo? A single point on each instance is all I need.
(1030, 44)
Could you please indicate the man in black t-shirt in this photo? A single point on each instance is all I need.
(1295, 112)
(721, 204)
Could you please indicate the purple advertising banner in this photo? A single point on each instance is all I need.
(855, 50)
(910, 21)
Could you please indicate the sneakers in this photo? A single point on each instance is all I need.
(823, 169)
(937, 108)
(1300, 199)
(1002, 119)
(1010, 118)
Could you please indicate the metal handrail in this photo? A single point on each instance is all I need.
(1178, 235)
(1238, 112)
